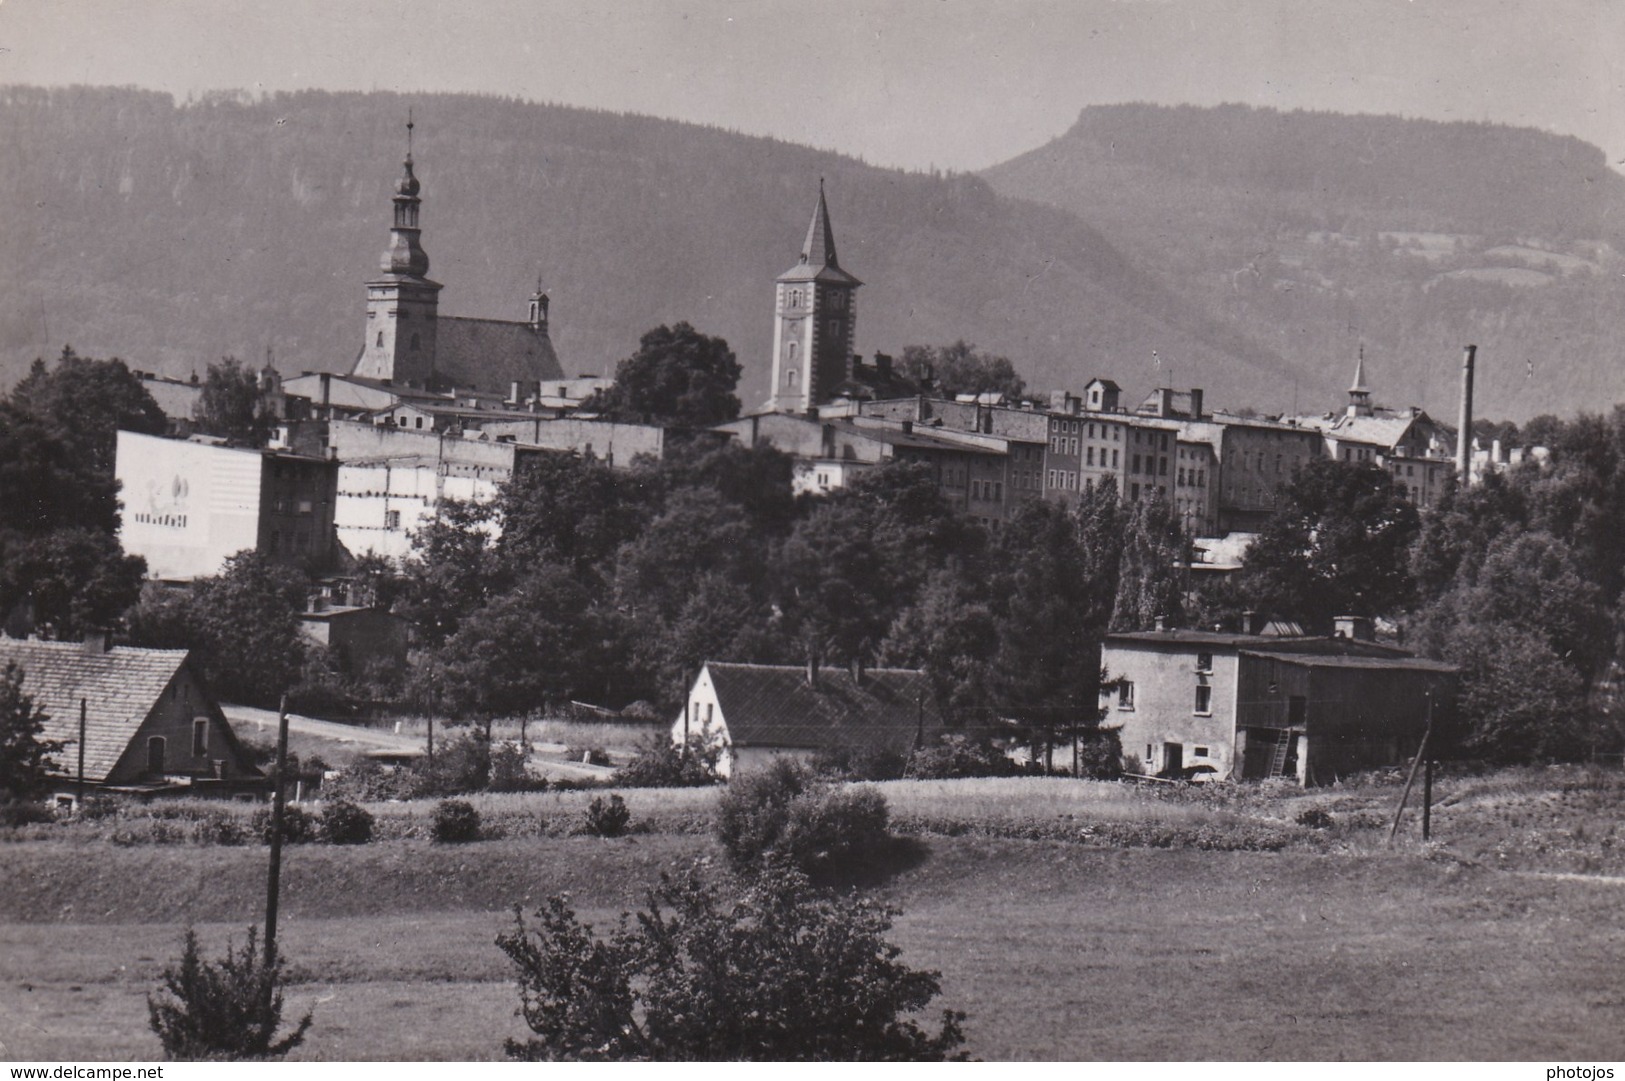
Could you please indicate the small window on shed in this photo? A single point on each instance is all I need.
(200, 737)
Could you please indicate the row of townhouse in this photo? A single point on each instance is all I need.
(1221, 472)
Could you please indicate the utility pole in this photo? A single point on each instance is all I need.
(273, 884)
(1427, 799)
(82, 708)
(1410, 778)
(431, 722)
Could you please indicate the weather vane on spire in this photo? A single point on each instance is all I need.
(409, 127)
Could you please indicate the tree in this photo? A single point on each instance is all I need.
(1151, 584)
(25, 758)
(960, 369)
(453, 570)
(951, 634)
(1338, 545)
(85, 402)
(543, 642)
(566, 509)
(230, 405)
(241, 624)
(677, 377)
(72, 580)
(1053, 587)
(785, 973)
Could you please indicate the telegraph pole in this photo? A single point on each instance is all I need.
(273, 883)
(82, 708)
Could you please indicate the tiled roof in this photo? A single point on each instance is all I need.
(772, 706)
(492, 353)
(119, 687)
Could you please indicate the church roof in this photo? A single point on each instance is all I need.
(818, 259)
(492, 353)
(773, 706)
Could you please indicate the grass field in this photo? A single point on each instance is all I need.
(1058, 926)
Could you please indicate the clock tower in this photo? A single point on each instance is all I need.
(814, 316)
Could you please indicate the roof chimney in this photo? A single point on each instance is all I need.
(1464, 431)
(98, 641)
(1354, 628)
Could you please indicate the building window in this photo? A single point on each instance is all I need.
(380, 339)
(1204, 698)
(155, 754)
(200, 737)
(1199, 752)
(392, 519)
(1125, 694)
(1204, 662)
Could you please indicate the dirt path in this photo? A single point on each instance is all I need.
(261, 723)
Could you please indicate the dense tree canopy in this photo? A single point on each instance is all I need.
(677, 377)
(960, 368)
(25, 756)
(231, 405)
(1339, 545)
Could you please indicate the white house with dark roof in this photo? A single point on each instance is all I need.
(149, 725)
(755, 711)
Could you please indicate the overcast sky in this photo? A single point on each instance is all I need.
(953, 83)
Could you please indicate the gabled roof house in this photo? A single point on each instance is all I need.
(755, 711)
(150, 725)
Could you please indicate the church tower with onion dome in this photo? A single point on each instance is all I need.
(402, 303)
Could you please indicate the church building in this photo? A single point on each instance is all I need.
(813, 324)
(410, 344)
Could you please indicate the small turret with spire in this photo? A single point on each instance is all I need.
(1359, 393)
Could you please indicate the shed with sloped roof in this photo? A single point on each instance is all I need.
(755, 711)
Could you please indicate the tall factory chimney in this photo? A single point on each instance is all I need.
(1464, 433)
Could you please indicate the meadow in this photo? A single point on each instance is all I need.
(1059, 938)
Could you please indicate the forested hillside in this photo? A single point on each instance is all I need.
(172, 234)
(1315, 232)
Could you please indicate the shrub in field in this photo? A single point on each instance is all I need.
(1315, 818)
(784, 812)
(229, 1009)
(366, 781)
(510, 769)
(24, 812)
(345, 823)
(223, 828)
(959, 756)
(861, 764)
(298, 826)
(462, 764)
(95, 808)
(455, 821)
(591, 756)
(660, 763)
(783, 973)
(607, 818)
(1100, 755)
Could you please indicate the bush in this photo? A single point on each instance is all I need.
(461, 764)
(23, 812)
(861, 764)
(820, 979)
(510, 770)
(1315, 818)
(960, 756)
(298, 826)
(223, 828)
(228, 1009)
(660, 763)
(1100, 755)
(784, 813)
(345, 823)
(455, 821)
(592, 756)
(95, 808)
(607, 818)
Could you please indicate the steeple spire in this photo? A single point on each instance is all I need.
(1359, 393)
(406, 255)
(819, 250)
